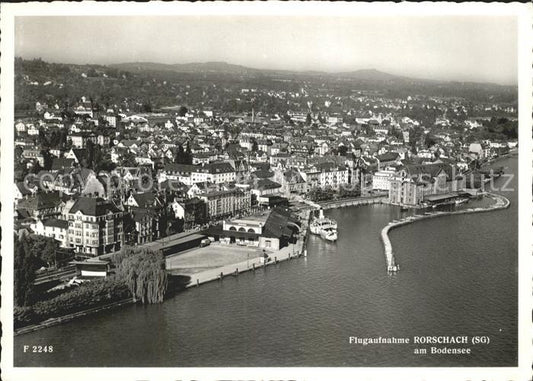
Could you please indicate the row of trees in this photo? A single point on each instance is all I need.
(88, 295)
(140, 274)
(318, 194)
(31, 253)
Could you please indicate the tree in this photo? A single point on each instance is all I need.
(25, 266)
(146, 107)
(144, 273)
(308, 119)
(102, 160)
(430, 141)
(342, 150)
(43, 138)
(182, 111)
(180, 155)
(47, 158)
(45, 249)
(188, 154)
(21, 170)
(130, 233)
(183, 156)
(90, 153)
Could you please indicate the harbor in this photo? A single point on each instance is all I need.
(500, 202)
(326, 293)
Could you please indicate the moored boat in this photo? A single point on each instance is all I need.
(325, 227)
(329, 234)
(321, 223)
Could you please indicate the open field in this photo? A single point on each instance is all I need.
(212, 256)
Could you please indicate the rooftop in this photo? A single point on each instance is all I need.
(93, 206)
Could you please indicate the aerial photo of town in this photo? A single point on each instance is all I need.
(230, 214)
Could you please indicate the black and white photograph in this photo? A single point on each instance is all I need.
(304, 191)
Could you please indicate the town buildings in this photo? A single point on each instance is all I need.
(415, 182)
(117, 173)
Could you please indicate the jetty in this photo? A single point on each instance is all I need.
(500, 202)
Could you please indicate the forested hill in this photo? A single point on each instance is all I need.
(145, 86)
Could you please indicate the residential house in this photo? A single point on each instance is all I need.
(291, 181)
(42, 205)
(193, 211)
(263, 187)
(54, 228)
(146, 225)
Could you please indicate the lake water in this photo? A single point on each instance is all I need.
(459, 277)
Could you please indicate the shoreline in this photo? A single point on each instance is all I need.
(287, 253)
(356, 201)
(502, 202)
(295, 250)
(66, 318)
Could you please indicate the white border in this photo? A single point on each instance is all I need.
(524, 12)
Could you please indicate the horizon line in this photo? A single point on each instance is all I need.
(303, 71)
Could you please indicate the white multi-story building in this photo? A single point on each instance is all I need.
(95, 226)
(216, 173)
(325, 175)
(54, 228)
(111, 120)
(226, 202)
(381, 179)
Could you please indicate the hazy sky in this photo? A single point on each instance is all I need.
(470, 48)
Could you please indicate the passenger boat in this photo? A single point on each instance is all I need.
(321, 223)
(325, 227)
(329, 234)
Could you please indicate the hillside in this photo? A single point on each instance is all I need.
(145, 85)
(195, 67)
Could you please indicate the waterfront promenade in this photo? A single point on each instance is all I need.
(353, 202)
(342, 203)
(500, 202)
(253, 263)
